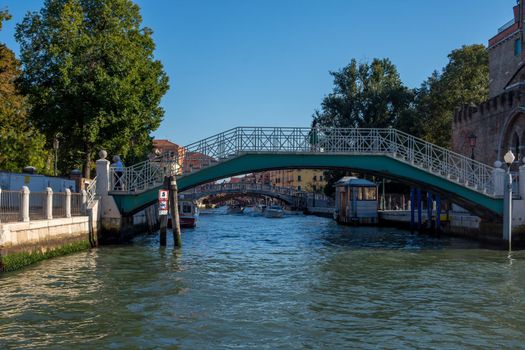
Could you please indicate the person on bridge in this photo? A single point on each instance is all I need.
(117, 175)
(313, 136)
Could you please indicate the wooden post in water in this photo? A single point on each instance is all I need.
(174, 205)
(163, 227)
(163, 212)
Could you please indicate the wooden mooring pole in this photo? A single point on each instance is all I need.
(163, 212)
(174, 205)
(163, 227)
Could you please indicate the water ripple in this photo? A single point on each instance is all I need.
(256, 283)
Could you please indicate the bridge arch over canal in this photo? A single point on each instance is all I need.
(287, 195)
(387, 153)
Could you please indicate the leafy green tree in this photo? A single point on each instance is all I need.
(365, 95)
(91, 77)
(20, 143)
(464, 80)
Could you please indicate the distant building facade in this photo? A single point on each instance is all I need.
(308, 180)
(499, 123)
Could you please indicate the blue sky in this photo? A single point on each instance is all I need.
(266, 62)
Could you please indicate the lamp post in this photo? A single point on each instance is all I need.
(56, 143)
(507, 199)
(472, 142)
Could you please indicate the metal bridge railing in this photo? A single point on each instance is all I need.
(243, 187)
(91, 190)
(234, 142)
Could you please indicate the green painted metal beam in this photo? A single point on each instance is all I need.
(379, 164)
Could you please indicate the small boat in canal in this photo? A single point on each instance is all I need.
(274, 211)
(258, 210)
(235, 209)
(188, 214)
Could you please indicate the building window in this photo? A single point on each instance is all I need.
(315, 178)
(517, 47)
(299, 178)
(298, 188)
(321, 178)
(314, 187)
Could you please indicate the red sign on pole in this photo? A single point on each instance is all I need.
(163, 202)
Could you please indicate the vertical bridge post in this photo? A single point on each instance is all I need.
(419, 209)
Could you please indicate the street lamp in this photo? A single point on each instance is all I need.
(472, 142)
(507, 199)
(56, 143)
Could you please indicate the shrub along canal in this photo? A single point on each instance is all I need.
(253, 282)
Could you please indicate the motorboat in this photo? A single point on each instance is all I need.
(274, 211)
(188, 214)
(258, 210)
(235, 209)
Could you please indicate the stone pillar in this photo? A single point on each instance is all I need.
(24, 204)
(68, 203)
(103, 179)
(521, 181)
(0, 199)
(499, 179)
(48, 212)
(83, 207)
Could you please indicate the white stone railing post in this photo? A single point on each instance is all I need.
(83, 206)
(24, 204)
(48, 204)
(68, 203)
(0, 201)
(103, 179)
(521, 181)
(499, 181)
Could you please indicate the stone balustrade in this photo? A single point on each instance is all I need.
(24, 206)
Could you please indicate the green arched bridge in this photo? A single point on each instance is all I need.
(384, 152)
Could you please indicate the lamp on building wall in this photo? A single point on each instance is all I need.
(507, 199)
(472, 142)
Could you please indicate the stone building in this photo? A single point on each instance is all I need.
(499, 123)
(309, 180)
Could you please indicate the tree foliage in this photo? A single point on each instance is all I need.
(372, 95)
(91, 77)
(20, 143)
(464, 80)
(365, 95)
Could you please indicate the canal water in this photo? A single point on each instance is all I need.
(255, 283)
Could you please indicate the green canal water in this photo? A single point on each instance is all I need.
(254, 283)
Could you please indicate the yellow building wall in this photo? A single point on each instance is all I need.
(308, 180)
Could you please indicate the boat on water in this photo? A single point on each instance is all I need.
(258, 210)
(274, 211)
(188, 214)
(235, 209)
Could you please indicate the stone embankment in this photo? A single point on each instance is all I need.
(38, 226)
